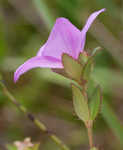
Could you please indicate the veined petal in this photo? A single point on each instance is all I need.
(90, 20)
(43, 62)
(64, 38)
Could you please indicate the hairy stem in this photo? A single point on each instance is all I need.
(30, 116)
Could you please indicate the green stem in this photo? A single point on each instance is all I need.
(39, 124)
(90, 137)
(89, 124)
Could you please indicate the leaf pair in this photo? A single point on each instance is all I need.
(84, 111)
(80, 104)
(80, 70)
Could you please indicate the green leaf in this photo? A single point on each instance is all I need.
(72, 67)
(88, 66)
(103, 76)
(87, 69)
(80, 104)
(83, 57)
(95, 103)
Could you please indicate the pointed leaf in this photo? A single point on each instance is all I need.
(72, 67)
(95, 103)
(80, 104)
(83, 57)
(87, 69)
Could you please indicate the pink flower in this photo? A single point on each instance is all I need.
(64, 38)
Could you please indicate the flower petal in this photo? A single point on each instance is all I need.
(41, 50)
(43, 62)
(64, 38)
(90, 20)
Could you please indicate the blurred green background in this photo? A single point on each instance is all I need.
(24, 27)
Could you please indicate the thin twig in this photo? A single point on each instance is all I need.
(31, 117)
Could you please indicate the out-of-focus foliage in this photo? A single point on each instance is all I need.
(24, 27)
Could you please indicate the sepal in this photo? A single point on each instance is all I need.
(83, 58)
(87, 69)
(72, 67)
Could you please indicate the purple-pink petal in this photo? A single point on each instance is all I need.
(35, 62)
(64, 38)
(89, 22)
(41, 50)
